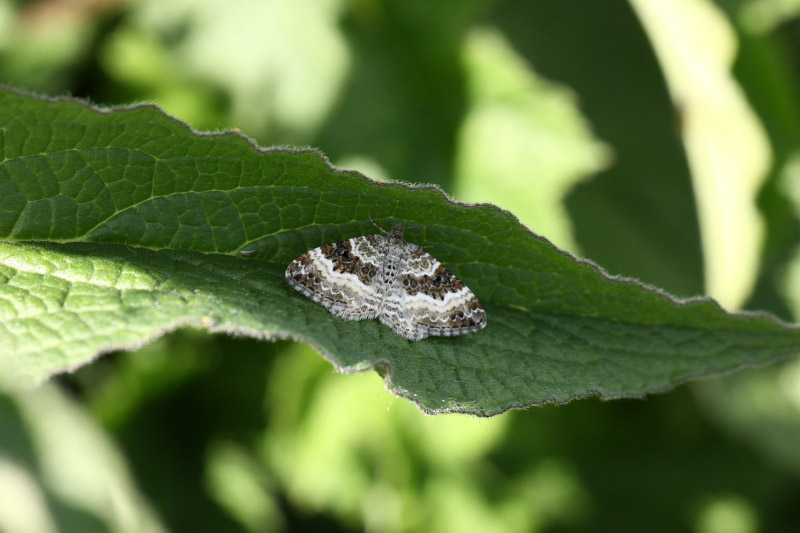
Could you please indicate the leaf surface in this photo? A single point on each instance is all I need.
(120, 225)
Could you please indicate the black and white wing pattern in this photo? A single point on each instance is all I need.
(430, 300)
(344, 276)
(386, 277)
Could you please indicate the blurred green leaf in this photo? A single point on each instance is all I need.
(763, 68)
(715, 119)
(42, 47)
(762, 16)
(761, 408)
(404, 96)
(59, 471)
(281, 64)
(236, 480)
(132, 224)
(523, 143)
(637, 217)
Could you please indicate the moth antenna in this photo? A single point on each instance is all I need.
(376, 225)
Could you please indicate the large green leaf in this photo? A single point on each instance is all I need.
(120, 225)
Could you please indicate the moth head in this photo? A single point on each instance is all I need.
(397, 232)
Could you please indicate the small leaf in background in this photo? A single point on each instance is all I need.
(790, 184)
(43, 46)
(726, 145)
(176, 51)
(49, 450)
(762, 16)
(237, 481)
(636, 217)
(523, 143)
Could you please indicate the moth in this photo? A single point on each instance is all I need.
(387, 278)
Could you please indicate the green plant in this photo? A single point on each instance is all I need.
(120, 225)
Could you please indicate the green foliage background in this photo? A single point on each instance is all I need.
(560, 112)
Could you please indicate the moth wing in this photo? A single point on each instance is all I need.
(344, 277)
(428, 300)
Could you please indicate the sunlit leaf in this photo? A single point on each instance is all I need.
(121, 225)
(726, 145)
(523, 143)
